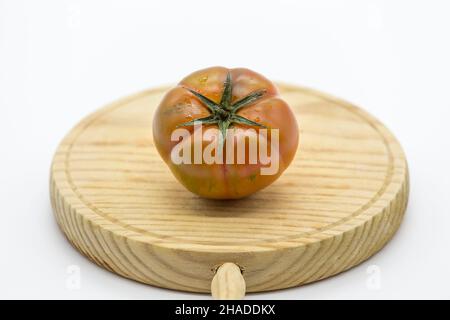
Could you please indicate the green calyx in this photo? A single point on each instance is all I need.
(224, 113)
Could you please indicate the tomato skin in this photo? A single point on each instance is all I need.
(224, 181)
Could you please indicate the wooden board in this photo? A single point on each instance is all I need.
(339, 202)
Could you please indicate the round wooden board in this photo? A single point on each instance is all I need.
(340, 201)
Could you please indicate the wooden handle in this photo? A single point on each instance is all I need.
(228, 283)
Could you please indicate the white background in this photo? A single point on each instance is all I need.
(60, 60)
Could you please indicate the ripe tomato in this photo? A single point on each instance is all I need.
(220, 98)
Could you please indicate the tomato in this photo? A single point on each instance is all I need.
(225, 100)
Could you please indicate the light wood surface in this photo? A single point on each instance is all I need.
(339, 202)
(228, 283)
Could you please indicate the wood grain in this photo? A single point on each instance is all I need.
(339, 202)
(228, 283)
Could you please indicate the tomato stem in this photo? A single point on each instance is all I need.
(224, 113)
